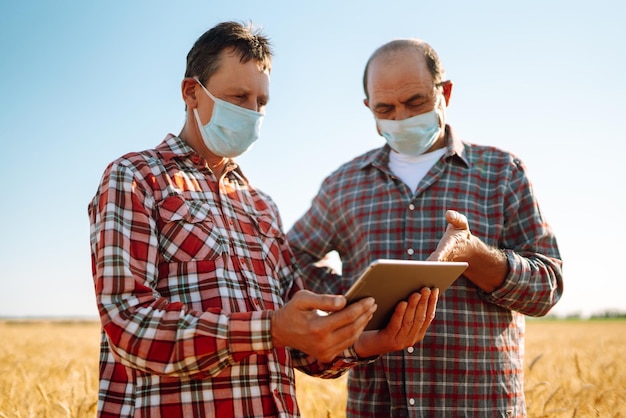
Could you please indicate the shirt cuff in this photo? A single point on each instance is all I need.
(250, 332)
(350, 356)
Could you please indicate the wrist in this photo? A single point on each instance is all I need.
(274, 330)
(363, 347)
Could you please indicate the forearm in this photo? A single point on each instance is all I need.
(533, 285)
(527, 280)
(168, 340)
(488, 266)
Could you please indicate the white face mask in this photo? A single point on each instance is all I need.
(232, 129)
(415, 135)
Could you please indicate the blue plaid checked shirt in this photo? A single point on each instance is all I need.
(470, 363)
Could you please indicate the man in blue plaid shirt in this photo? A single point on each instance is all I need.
(426, 194)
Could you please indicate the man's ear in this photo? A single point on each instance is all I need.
(188, 89)
(447, 91)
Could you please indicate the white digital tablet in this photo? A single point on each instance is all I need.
(392, 281)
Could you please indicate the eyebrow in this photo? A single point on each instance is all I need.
(236, 90)
(415, 96)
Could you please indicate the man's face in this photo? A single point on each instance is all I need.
(400, 86)
(245, 85)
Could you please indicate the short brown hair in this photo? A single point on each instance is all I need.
(432, 59)
(203, 59)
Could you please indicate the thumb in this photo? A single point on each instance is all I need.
(310, 301)
(457, 220)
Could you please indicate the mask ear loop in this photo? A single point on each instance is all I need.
(441, 110)
(205, 89)
(195, 110)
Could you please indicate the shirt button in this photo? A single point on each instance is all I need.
(410, 350)
(411, 401)
(410, 251)
(411, 206)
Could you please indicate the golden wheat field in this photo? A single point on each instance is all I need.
(573, 369)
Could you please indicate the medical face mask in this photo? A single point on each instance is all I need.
(415, 135)
(232, 129)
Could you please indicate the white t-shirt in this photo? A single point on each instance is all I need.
(411, 170)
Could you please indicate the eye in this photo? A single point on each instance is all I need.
(383, 110)
(417, 104)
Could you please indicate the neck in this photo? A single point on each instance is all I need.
(191, 136)
(217, 164)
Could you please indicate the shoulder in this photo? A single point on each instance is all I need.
(153, 160)
(495, 165)
(136, 160)
(491, 155)
(358, 165)
(351, 175)
(137, 164)
(135, 172)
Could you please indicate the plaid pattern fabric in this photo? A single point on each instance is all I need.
(187, 271)
(470, 363)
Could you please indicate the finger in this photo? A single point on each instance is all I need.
(348, 321)
(432, 304)
(434, 256)
(307, 300)
(444, 249)
(395, 326)
(418, 305)
(430, 307)
(346, 336)
(339, 338)
(360, 311)
(457, 220)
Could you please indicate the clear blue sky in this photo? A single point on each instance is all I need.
(83, 82)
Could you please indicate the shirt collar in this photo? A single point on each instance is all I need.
(174, 147)
(455, 147)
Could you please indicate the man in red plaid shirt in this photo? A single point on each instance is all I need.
(416, 198)
(201, 303)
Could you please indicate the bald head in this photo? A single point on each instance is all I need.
(399, 47)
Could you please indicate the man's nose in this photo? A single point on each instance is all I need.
(402, 112)
(251, 104)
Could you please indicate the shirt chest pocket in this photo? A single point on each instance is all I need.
(187, 231)
(264, 238)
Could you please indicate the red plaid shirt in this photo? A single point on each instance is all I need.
(470, 363)
(187, 270)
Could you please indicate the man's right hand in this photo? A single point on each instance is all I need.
(299, 325)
